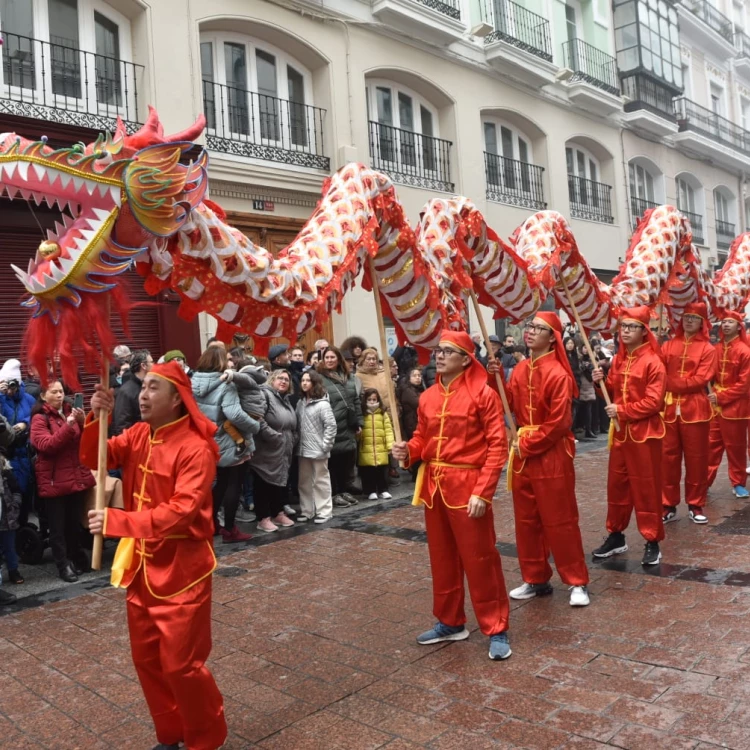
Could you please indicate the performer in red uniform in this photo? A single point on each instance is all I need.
(731, 404)
(690, 360)
(460, 438)
(637, 383)
(165, 558)
(543, 478)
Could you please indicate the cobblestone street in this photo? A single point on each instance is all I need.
(314, 646)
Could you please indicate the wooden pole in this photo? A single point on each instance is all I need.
(586, 341)
(660, 308)
(498, 379)
(384, 349)
(101, 470)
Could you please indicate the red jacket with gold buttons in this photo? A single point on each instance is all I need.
(732, 382)
(691, 365)
(637, 382)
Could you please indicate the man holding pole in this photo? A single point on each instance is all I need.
(637, 380)
(731, 404)
(541, 473)
(460, 438)
(165, 557)
(691, 364)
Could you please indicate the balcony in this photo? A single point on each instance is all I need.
(696, 224)
(411, 158)
(520, 44)
(638, 207)
(725, 233)
(594, 83)
(436, 21)
(650, 109)
(515, 183)
(61, 84)
(742, 61)
(706, 27)
(243, 123)
(703, 133)
(590, 200)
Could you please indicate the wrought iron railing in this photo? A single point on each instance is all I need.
(696, 224)
(516, 183)
(712, 17)
(591, 65)
(59, 83)
(411, 158)
(742, 43)
(646, 93)
(693, 117)
(638, 207)
(590, 200)
(514, 24)
(450, 8)
(245, 123)
(724, 233)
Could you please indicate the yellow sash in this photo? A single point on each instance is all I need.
(123, 560)
(417, 500)
(525, 430)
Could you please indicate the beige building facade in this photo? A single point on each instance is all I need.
(519, 106)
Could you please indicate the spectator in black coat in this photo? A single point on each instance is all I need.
(406, 358)
(127, 411)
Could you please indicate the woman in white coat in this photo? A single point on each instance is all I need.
(316, 426)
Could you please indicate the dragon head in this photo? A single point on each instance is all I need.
(116, 195)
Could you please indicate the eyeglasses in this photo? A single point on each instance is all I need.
(533, 328)
(692, 318)
(631, 326)
(442, 351)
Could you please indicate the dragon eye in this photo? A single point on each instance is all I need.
(104, 157)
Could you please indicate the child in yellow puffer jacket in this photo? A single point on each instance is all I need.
(375, 443)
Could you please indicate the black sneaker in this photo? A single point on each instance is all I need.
(652, 554)
(614, 544)
(669, 513)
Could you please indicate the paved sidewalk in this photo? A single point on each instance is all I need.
(314, 646)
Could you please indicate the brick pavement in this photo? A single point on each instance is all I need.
(314, 647)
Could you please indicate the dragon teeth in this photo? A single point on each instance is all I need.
(23, 170)
(39, 170)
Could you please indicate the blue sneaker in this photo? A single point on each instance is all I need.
(443, 633)
(499, 647)
(740, 491)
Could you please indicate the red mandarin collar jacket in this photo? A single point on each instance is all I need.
(637, 382)
(167, 480)
(691, 365)
(450, 431)
(540, 393)
(732, 382)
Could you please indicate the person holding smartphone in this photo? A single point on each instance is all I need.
(62, 480)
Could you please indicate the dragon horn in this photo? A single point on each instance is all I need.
(120, 131)
(191, 133)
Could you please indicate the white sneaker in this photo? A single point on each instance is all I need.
(531, 590)
(322, 519)
(220, 516)
(386, 496)
(244, 516)
(372, 496)
(289, 510)
(579, 596)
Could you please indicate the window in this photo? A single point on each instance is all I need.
(583, 170)
(685, 196)
(721, 206)
(405, 128)
(687, 81)
(67, 50)
(255, 91)
(745, 112)
(571, 22)
(509, 156)
(641, 183)
(717, 100)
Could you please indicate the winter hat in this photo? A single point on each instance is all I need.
(174, 354)
(276, 351)
(11, 370)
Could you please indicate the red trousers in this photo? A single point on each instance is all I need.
(461, 544)
(634, 482)
(170, 640)
(690, 440)
(728, 435)
(546, 512)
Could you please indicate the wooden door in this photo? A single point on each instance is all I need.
(275, 233)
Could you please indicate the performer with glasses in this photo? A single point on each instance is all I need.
(541, 473)
(460, 438)
(637, 381)
(690, 360)
(730, 402)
